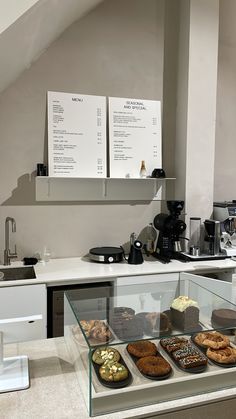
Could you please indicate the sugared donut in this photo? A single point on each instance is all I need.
(153, 365)
(142, 348)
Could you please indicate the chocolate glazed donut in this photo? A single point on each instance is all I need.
(142, 348)
(153, 365)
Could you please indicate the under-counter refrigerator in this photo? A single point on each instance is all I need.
(97, 294)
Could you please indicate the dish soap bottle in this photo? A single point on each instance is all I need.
(143, 171)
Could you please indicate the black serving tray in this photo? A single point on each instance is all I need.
(151, 377)
(204, 350)
(193, 370)
(113, 384)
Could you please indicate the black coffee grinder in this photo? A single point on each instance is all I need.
(170, 229)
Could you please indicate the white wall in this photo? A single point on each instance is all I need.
(12, 10)
(196, 105)
(116, 50)
(225, 152)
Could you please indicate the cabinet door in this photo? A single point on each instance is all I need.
(23, 312)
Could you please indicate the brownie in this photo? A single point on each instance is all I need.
(125, 324)
(193, 361)
(154, 323)
(185, 351)
(173, 341)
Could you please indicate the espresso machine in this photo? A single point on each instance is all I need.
(210, 247)
(225, 213)
(170, 228)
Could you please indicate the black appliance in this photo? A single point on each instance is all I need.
(94, 298)
(135, 255)
(106, 254)
(170, 229)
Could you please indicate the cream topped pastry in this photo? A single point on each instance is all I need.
(182, 303)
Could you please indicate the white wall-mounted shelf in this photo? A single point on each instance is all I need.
(100, 189)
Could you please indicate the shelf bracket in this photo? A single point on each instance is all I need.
(104, 188)
(49, 188)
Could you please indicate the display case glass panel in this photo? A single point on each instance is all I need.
(132, 318)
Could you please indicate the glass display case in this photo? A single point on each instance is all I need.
(150, 342)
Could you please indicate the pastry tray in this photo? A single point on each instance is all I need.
(150, 377)
(113, 384)
(178, 385)
(192, 370)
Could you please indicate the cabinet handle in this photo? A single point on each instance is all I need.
(22, 319)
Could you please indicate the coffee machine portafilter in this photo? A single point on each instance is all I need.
(170, 228)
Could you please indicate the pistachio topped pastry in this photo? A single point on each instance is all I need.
(113, 371)
(105, 353)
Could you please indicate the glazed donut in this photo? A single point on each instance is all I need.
(214, 340)
(153, 365)
(142, 348)
(223, 356)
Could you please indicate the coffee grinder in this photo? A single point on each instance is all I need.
(170, 228)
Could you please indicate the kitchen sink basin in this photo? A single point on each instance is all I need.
(13, 274)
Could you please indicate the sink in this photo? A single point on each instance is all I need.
(13, 274)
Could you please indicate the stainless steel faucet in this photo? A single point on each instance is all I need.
(7, 253)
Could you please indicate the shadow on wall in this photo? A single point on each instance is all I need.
(25, 194)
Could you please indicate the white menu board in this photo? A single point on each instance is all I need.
(135, 135)
(76, 135)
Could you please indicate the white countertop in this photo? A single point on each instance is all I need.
(82, 270)
(55, 391)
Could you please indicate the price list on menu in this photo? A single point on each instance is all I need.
(135, 136)
(76, 135)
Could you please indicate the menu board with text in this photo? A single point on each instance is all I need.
(134, 136)
(76, 135)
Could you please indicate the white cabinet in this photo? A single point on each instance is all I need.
(142, 298)
(23, 312)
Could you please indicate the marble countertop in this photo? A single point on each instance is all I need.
(54, 391)
(79, 269)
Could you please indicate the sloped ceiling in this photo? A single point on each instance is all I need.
(25, 39)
